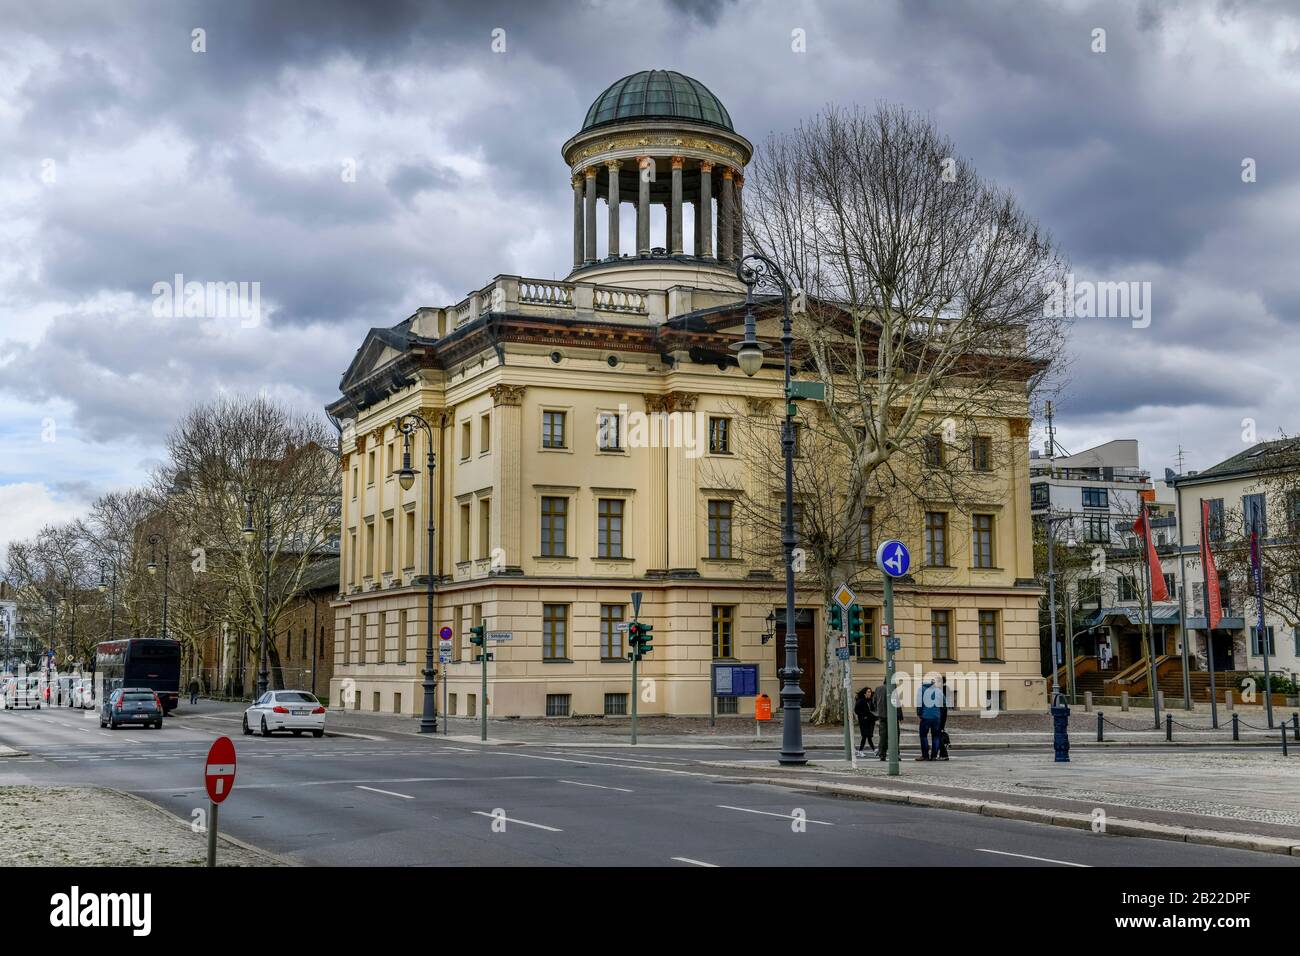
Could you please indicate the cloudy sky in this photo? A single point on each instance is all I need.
(127, 157)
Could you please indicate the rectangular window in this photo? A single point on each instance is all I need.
(388, 460)
(609, 527)
(356, 480)
(720, 436)
(797, 428)
(403, 622)
(1095, 498)
(1216, 519)
(866, 549)
(616, 705)
(370, 548)
(555, 632)
(390, 545)
(941, 635)
(397, 703)
(982, 454)
(553, 430)
(723, 631)
(1089, 590)
(464, 532)
(609, 432)
(485, 527)
(353, 557)
(347, 640)
(1256, 649)
(376, 702)
(982, 541)
(557, 705)
(466, 440)
(381, 638)
(370, 468)
(1171, 588)
(1253, 515)
(611, 639)
(485, 433)
(988, 624)
(555, 520)
(719, 529)
(936, 538)
(1096, 529)
(1126, 587)
(1040, 495)
(932, 448)
(409, 558)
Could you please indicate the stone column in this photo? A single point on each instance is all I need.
(507, 491)
(613, 165)
(706, 210)
(726, 215)
(590, 251)
(578, 254)
(675, 210)
(643, 207)
(738, 218)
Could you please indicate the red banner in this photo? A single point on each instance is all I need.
(1213, 600)
(1142, 528)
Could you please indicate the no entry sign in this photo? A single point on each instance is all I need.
(219, 773)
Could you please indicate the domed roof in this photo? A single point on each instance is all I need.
(657, 94)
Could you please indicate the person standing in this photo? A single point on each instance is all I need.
(862, 704)
(927, 708)
(194, 690)
(943, 720)
(880, 704)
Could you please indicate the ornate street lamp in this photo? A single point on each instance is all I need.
(407, 424)
(248, 533)
(152, 568)
(749, 356)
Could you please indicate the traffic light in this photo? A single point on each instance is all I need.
(836, 618)
(855, 624)
(478, 637)
(644, 637)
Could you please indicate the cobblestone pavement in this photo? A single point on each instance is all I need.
(87, 826)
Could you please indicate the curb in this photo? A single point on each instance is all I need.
(1078, 821)
(272, 859)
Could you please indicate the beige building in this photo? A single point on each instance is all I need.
(554, 499)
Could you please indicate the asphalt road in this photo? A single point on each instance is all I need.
(403, 799)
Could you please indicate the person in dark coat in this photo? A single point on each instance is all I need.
(885, 712)
(862, 704)
(194, 690)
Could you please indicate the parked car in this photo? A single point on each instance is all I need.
(131, 705)
(23, 692)
(292, 710)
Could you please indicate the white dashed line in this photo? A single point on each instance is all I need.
(768, 813)
(687, 859)
(597, 786)
(522, 823)
(1040, 859)
(404, 796)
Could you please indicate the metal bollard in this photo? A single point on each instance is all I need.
(1284, 738)
(1087, 702)
(1169, 727)
(1236, 731)
(1100, 718)
(1123, 701)
(1295, 725)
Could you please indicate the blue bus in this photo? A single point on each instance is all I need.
(151, 662)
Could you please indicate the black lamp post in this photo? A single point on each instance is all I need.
(104, 585)
(152, 568)
(749, 356)
(407, 424)
(249, 533)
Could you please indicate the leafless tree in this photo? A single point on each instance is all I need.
(922, 299)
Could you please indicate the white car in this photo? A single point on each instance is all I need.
(23, 692)
(292, 710)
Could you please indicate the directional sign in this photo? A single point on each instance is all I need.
(893, 644)
(219, 771)
(445, 634)
(893, 558)
(844, 596)
(500, 635)
(444, 658)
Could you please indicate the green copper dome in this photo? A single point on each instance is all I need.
(657, 94)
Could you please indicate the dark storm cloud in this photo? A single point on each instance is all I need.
(227, 165)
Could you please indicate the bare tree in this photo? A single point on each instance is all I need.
(922, 299)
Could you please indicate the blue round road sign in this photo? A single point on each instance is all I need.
(893, 558)
(445, 634)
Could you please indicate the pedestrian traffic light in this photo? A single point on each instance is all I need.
(836, 618)
(478, 635)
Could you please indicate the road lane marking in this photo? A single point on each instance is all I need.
(574, 753)
(338, 783)
(687, 859)
(404, 796)
(768, 813)
(598, 786)
(1040, 859)
(522, 823)
(625, 766)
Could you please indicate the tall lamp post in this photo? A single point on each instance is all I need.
(249, 533)
(152, 568)
(407, 424)
(749, 356)
(104, 585)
